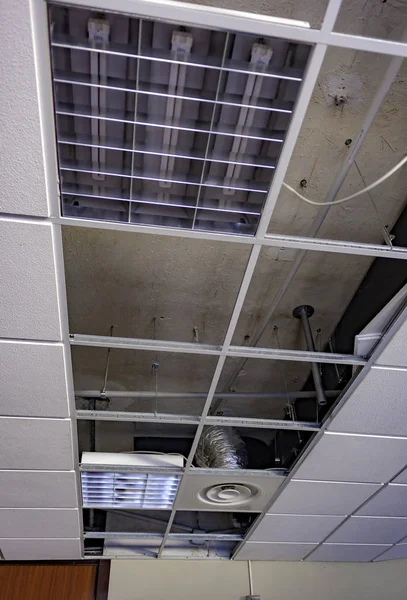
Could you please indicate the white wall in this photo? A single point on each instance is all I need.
(200, 580)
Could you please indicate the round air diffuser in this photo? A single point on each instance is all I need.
(229, 494)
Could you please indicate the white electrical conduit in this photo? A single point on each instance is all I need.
(352, 196)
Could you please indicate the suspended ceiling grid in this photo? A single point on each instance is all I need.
(42, 210)
(327, 281)
(177, 286)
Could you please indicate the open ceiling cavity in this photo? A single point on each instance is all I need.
(166, 125)
(176, 126)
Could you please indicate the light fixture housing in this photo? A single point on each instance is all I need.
(132, 490)
(169, 124)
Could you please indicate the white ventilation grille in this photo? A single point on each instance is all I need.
(226, 493)
(116, 488)
(129, 490)
(161, 124)
(230, 494)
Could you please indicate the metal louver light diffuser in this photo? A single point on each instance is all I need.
(137, 490)
(169, 125)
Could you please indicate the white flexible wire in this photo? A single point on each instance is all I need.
(352, 196)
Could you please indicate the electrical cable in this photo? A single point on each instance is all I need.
(352, 196)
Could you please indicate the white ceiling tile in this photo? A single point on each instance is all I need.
(377, 406)
(355, 458)
(274, 551)
(44, 444)
(28, 292)
(322, 497)
(22, 178)
(39, 523)
(370, 530)
(346, 552)
(294, 528)
(55, 549)
(38, 489)
(394, 354)
(32, 380)
(395, 552)
(389, 502)
(402, 478)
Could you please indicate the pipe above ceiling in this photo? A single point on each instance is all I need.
(141, 395)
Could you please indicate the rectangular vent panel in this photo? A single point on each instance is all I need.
(128, 490)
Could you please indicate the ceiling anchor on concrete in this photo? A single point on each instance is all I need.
(304, 312)
(196, 334)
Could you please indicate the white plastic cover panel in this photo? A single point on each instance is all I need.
(389, 502)
(346, 552)
(264, 488)
(146, 547)
(294, 528)
(167, 125)
(322, 498)
(274, 551)
(38, 489)
(132, 459)
(396, 552)
(26, 387)
(39, 523)
(129, 490)
(377, 406)
(370, 530)
(358, 458)
(44, 549)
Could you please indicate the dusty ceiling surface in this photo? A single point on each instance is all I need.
(171, 289)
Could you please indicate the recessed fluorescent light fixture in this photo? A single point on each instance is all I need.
(133, 490)
(170, 124)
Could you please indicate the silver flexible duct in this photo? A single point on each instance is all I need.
(221, 448)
